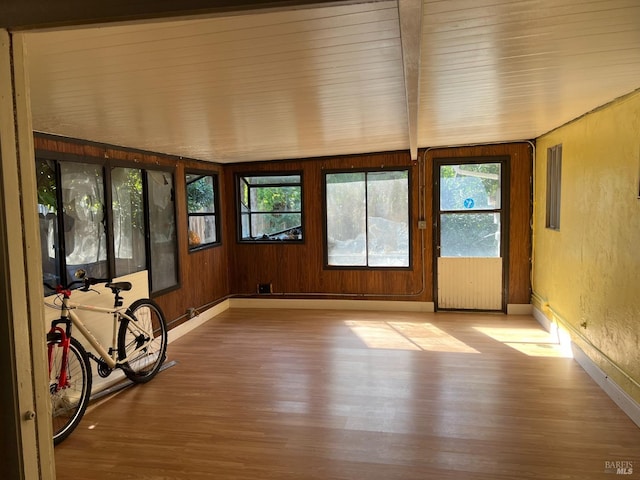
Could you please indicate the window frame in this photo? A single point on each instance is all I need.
(216, 206)
(107, 164)
(145, 183)
(366, 171)
(554, 187)
(239, 213)
(503, 211)
(111, 217)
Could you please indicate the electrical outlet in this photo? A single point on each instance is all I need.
(264, 288)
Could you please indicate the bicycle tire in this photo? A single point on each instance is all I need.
(147, 317)
(68, 405)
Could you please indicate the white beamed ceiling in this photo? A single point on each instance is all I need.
(335, 80)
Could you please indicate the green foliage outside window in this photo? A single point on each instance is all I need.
(199, 194)
(271, 207)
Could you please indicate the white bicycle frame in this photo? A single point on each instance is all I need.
(67, 311)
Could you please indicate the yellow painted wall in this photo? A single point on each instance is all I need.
(589, 271)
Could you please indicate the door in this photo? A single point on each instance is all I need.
(470, 212)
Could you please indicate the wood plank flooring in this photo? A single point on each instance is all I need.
(294, 394)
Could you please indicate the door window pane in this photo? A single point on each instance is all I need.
(470, 187)
(162, 231)
(83, 219)
(470, 209)
(128, 221)
(470, 235)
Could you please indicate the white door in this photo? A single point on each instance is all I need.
(469, 212)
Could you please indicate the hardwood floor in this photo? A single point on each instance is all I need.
(293, 394)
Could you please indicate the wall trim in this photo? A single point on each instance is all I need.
(627, 404)
(200, 319)
(621, 398)
(332, 304)
(519, 309)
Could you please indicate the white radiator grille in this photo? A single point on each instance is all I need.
(470, 283)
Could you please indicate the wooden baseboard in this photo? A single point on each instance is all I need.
(198, 320)
(331, 304)
(627, 404)
(519, 309)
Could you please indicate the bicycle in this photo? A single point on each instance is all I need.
(138, 348)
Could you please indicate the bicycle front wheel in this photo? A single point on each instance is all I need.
(142, 341)
(69, 401)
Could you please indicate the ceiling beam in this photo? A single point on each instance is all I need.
(410, 15)
(31, 14)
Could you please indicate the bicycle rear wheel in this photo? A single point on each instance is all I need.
(142, 342)
(68, 403)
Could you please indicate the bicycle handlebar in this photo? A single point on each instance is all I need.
(87, 282)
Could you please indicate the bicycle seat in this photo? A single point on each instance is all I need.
(120, 286)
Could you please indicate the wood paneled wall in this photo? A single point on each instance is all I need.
(204, 274)
(297, 270)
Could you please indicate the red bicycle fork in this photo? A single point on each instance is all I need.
(65, 340)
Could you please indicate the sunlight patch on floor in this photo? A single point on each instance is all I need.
(407, 336)
(530, 341)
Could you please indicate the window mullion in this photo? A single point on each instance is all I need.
(366, 216)
(61, 247)
(108, 219)
(147, 224)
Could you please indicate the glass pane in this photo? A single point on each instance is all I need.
(276, 226)
(470, 187)
(200, 194)
(276, 199)
(271, 207)
(83, 216)
(202, 230)
(273, 180)
(244, 196)
(48, 213)
(346, 219)
(388, 219)
(128, 221)
(162, 225)
(470, 235)
(245, 226)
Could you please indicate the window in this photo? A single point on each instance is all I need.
(162, 230)
(201, 210)
(128, 221)
(554, 177)
(270, 208)
(367, 219)
(470, 209)
(79, 229)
